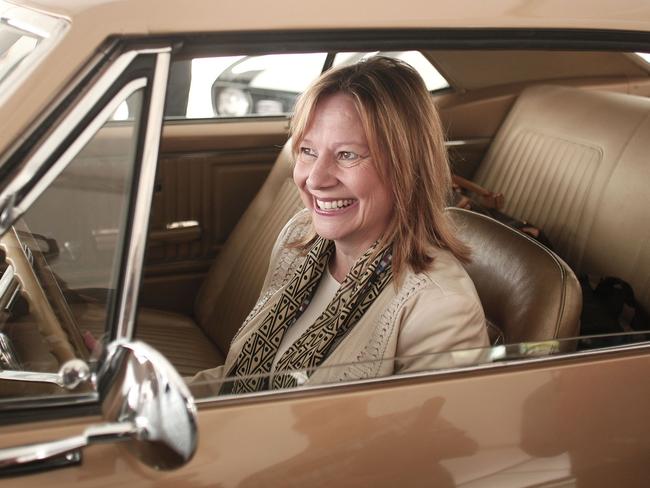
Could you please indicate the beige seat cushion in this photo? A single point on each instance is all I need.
(175, 336)
(179, 339)
(526, 290)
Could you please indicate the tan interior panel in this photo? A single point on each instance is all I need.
(208, 173)
(473, 69)
(213, 134)
(211, 189)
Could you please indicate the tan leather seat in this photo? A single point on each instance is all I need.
(527, 291)
(574, 163)
(233, 283)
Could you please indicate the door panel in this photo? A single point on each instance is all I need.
(578, 422)
(208, 173)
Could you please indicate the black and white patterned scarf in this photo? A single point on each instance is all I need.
(361, 286)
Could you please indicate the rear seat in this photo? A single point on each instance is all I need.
(575, 163)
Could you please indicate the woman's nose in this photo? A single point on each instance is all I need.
(321, 174)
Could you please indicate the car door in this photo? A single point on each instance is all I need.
(522, 415)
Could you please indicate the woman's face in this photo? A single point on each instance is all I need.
(338, 182)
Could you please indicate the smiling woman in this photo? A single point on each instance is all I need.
(369, 156)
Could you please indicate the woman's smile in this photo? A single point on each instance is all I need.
(333, 206)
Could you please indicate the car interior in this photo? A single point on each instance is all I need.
(559, 134)
(562, 135)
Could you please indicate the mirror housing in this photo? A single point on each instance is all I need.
(138, 385)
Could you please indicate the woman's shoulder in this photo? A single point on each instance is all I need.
(295, 229)
(446, 276)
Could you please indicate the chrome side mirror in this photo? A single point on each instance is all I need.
(146, 405)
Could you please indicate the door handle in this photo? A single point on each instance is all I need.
(177, 232)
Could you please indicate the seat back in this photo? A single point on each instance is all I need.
(574, 163)
(235, 279)
(527, 291)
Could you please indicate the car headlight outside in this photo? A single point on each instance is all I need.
(233, 102)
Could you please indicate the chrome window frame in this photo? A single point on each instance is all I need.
(27, 182)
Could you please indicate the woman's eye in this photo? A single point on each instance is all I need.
(307, 153)
(347, 156)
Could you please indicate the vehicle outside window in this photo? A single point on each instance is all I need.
(266, 85)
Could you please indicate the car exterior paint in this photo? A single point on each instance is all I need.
(576, 421)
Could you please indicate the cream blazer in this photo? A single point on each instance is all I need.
(431, 312)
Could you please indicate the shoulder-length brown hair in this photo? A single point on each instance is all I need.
(406, 143)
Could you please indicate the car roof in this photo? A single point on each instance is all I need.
(156, 16)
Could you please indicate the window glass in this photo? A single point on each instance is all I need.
(62, 258)
(240, 86)
(202, 186)
(443, 361)
(432, 79)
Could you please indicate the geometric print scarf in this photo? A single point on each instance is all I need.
(364, 282)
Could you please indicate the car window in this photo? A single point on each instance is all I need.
(206, 386)
(62, 257)
(243, 260)
(266, 85)
(432, 78)
(239, 86)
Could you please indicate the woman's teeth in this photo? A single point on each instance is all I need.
(333, 204)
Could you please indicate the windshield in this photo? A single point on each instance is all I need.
(24, 37)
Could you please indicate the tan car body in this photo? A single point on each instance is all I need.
(576, 421)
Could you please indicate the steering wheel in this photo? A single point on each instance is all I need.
(60, 332)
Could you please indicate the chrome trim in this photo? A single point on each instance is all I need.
(73, 149)
(51, 28)
(486, 367)
(8, 357)
(12, 298)
(6, 279)
(144, 195)
(21, 455)
(31, 377)
(144, 402)
(69, 400)
(72, 374)
(64, 128)
(181, 224)
(479, 141)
